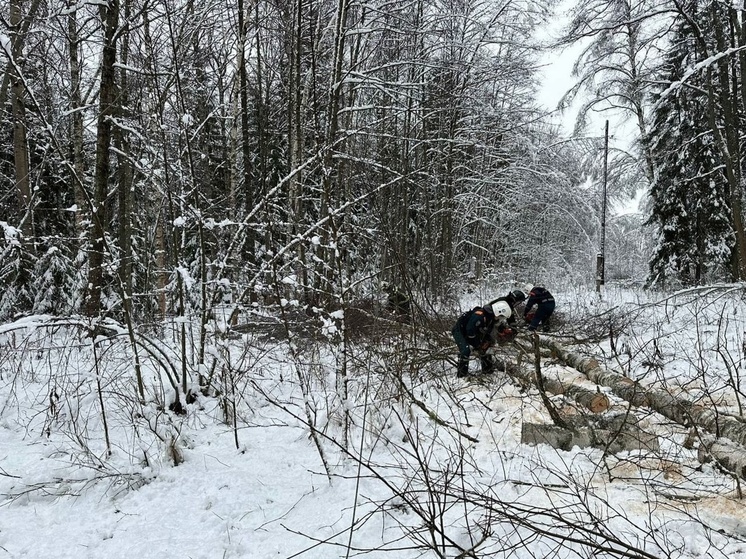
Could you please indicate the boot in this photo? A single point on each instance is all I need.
(463, 368)
(488, 365)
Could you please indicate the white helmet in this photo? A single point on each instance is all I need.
(501, 308)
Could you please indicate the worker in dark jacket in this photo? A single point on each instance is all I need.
(540, 298)
(473, 330)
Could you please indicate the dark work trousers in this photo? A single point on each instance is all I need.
(465, 351)
(543, 312)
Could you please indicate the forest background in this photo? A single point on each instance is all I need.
(160, 155)
(175, 173)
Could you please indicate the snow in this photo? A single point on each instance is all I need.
(12, 235)
(5, 45)
(166, 485)
(219, 503)
(696, 69)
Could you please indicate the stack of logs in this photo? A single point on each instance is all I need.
(722, 437)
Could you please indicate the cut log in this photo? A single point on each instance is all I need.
(685, 412)
(729, 455)
(545, 433)
(607, 434)
(596, 402)
(624, 387)
(673, 407)
(592, 400)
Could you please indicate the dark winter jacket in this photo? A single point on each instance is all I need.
(476, 326)
(538, 296)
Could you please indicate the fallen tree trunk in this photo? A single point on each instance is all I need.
(592, 400)
(627, 438)
(624, 387)
(673, 407)
(729, 455)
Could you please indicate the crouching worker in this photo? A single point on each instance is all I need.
(513, 298)
(540, 298)
(474, 330)
(504, 321)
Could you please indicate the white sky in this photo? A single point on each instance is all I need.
(557, 80)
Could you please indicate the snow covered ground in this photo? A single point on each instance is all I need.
(412, 463)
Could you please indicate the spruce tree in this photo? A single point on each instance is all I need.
(689, 202)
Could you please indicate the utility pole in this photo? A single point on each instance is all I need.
(601, 257)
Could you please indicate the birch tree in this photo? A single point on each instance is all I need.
(616, 66)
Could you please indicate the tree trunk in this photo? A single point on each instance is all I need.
(628, 437)
(19, 32)
(20, 148)
(248, 186)
(126, 181)
(730, 456)
(20, 142)
(722, 102)
(592, 400)
(333, 194)
(160, 264)
(164, 207)
(295, 133)
(76, 116)
(107, 99)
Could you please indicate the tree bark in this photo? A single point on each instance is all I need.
(76, 116)
(248, 186)
(673, 407)
(629, 437)
(18, 36)
(126, 178)
(730, 456)
(295, 132)
(107, 99)
(20, 142)
(20, 148)
(594, 401)
(730, 146)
